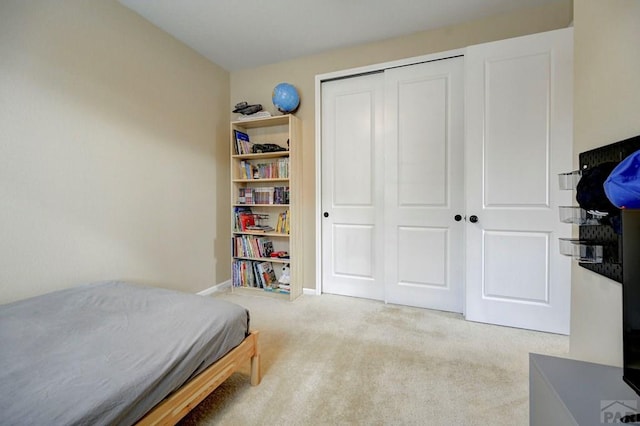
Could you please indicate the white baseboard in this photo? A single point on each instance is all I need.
(216, 288)
(227, 284)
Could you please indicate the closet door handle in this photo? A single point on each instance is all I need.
(457, 218)
(473, 218)
(326, 214)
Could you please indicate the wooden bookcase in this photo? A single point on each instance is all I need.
(269, 185)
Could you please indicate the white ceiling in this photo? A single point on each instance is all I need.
(238, 34)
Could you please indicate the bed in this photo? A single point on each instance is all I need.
(117, 353)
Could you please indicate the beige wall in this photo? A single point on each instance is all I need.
(113, 152)
(606, 108)
(255, 85)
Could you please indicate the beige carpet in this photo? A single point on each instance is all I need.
(330, 360)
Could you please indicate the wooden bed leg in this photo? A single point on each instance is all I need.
(256, 375)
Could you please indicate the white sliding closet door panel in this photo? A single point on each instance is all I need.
(518, 138)
(424, 167)
(352, 187)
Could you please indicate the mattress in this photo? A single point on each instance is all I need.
(107, 353)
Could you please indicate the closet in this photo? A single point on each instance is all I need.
(438, 181)
(392, 177)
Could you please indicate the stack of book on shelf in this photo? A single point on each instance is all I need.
(264, 195)
(278, 169)
(242, 274)
(247, 221)
(258, 227)
(283, 225)
(246, 170)
(245, 196)
(283, 168)
(281, 195)
(255, 274)
(243, 145)
(265, 275)
(251, 246)
(284, 288)
(243, 218)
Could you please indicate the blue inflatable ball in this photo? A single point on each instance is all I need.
(285, 97)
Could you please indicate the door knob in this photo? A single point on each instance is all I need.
(457, 218)
(473, 218)
(326, 214)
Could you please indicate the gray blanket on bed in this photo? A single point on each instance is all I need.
(107, 353)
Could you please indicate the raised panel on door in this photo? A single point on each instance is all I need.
(430, 269)
(353, 251)
(422, 110)
(352, 185)
(526, 279)
(517, 113)
(424, 185)
(353, 149)
(519, 122)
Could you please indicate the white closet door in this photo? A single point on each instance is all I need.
(352, 187)
(518, 138)
(424, 168)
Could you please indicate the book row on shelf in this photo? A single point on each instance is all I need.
(255, 274)
(278, 169)
(250, 246)
(247, 221)
(264, 195)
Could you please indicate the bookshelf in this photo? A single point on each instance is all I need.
(265, 206)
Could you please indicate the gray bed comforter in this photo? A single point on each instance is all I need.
(107, 353)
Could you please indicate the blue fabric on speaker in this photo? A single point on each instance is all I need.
(623, 184)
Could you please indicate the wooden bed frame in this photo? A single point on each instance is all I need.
(180, 402)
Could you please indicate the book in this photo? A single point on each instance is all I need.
(243, 273)
(284, 288)
(246, 220)
(246, 196)
(258, 280)
(283, 224)
(259, 228)
(243, 144)
(237, 211)
(246, 170)
(267, 248)
(267, 275)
